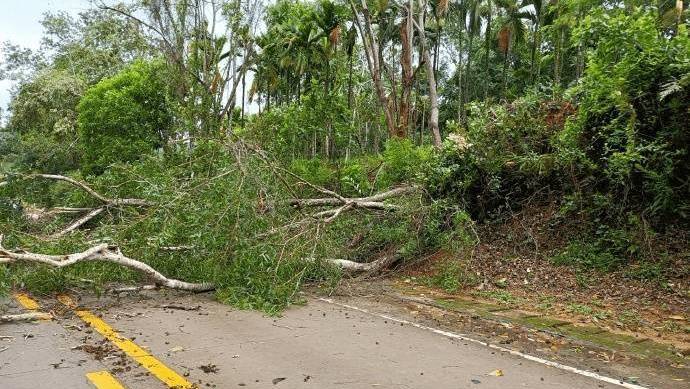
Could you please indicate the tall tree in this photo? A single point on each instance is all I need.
(431, 78)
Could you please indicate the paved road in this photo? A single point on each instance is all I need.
(319, 345)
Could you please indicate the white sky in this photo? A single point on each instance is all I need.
(20, 24)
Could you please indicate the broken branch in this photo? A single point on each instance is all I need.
(79, 222)
(353, 266)
(25, 317)
(103, 199)
(374, 201)
(105, 253)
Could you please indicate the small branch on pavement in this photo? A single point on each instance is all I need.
(31, 316)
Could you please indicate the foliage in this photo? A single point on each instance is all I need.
(124, 117)
(43, 122)
(576, 102)
(634, 137)
(504, 156)
(316, 125)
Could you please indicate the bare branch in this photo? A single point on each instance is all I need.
(375, 266)
(365, 202)
(74, 182)
(104, 253)
(79, 222)
(92, 192)
(30, 316)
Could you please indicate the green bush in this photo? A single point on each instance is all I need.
(124, 117)
(607, 249)
(403, 161)
(315, 126)
(632, 130)
(503, 157)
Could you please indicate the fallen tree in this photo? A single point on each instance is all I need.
(322, 210)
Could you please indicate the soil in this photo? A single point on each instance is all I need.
(512, 266)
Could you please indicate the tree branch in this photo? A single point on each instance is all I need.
(30, 316)
(107, 201)
(104, 253)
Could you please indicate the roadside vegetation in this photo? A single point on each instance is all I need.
(296, 143)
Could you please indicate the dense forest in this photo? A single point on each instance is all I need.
(254, 147)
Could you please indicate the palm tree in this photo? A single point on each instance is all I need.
(487, 12)
(512, 32)
(458, 17)
(473, 28)
(539, 9)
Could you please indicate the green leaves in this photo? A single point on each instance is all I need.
(124, 117)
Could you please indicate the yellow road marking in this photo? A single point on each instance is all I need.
(103, 380)
(26, 301)
(143, 357)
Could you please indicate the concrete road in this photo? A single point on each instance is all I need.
(319, 345)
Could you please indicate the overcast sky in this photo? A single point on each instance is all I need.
(20, 24)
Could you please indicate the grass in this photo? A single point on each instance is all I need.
(451, 275)
(630, 318)
(501, 296)
(586, 310)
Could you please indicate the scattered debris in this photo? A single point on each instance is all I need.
(210, 368)
(497, 373)
(181, 307)
(276, 381)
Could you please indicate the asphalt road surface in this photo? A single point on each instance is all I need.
(191, 341)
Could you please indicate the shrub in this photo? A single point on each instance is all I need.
(124, 117)
(632, 127)
(403, 161)
(503, 157)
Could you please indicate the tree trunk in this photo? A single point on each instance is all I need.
(458, 69)
(433, 98)
(349, 83)
(406, 34)
(534, 71)
(243, 94)
(487, 50)
(371, 48)
(466, 95)
(505, 71)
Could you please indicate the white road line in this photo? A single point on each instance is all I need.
(463, 337)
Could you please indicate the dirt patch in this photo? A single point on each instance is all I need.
(513, 265)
